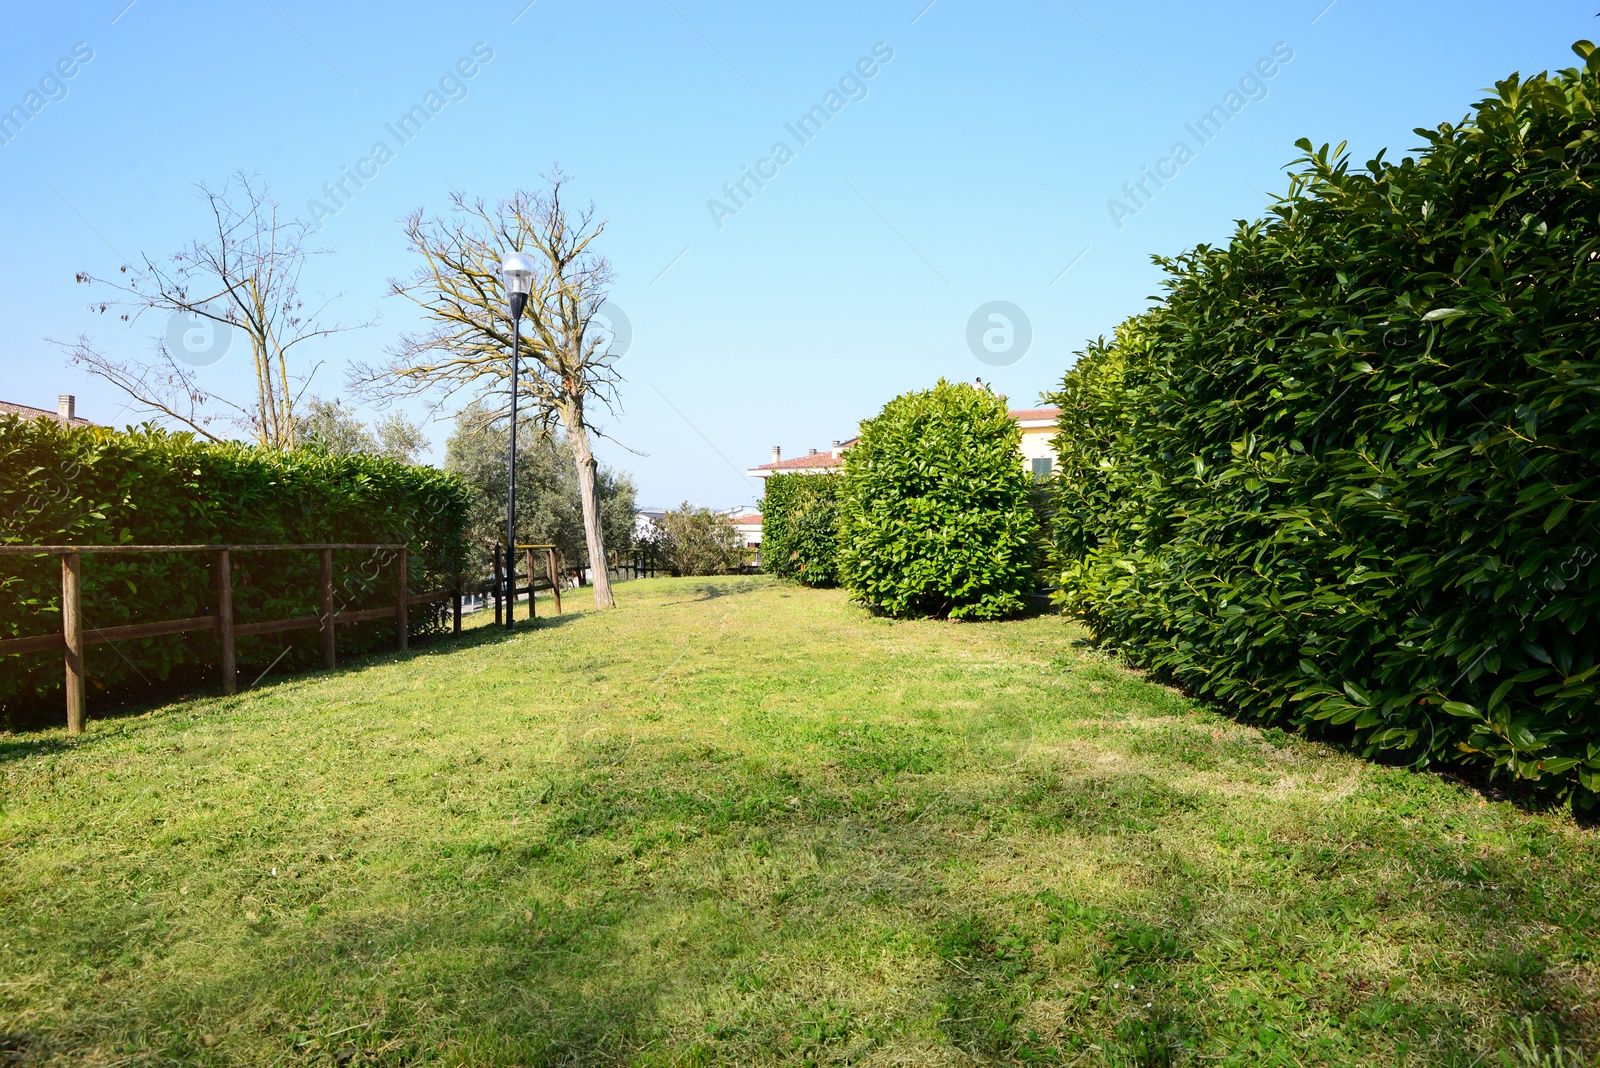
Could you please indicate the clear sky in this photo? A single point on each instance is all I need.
(976, 164)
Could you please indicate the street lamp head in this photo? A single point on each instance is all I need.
(516, 272)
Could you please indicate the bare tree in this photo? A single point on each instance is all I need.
(566, 360)
(243, 276)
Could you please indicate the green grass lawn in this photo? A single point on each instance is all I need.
(734, 822)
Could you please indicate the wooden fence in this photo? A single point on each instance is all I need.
(76, 636)
(620, 563)
(635, 563)
(552, 578)
(648, 563)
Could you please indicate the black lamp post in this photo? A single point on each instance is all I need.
(516, 272)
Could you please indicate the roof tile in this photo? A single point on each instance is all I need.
(23, 411)
(821, 459)
(1021, 414)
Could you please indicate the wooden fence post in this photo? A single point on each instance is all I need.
(401, 607)
(529, 563)
(499, 584)
(223, 565)
(555, 579)
(455, 603)
(72, 634)
(329, 650)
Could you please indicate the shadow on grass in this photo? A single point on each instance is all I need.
(711, 591)
(1488, 783)
(22, 749)
(691, 908)
(690, 904)
(13, 1047)
(37, 719)
(502, 982)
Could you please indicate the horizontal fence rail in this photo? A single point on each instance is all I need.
(76, 636)
(557, 574)
(552, 576)
(58, 550)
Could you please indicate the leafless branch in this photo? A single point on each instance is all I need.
(161, 387)
(246, 275)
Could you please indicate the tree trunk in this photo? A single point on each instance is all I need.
(583, 457)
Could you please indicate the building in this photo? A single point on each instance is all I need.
(814, 462)
(1038, 427)
(644, 524)
(748, 524)
(66, 411)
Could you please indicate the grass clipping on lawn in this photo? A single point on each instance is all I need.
(738, 822)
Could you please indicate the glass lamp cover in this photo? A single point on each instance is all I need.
(516, 271)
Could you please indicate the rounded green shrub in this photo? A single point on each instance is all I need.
(698, 541)
(935, 516)
(800, 528)
(1347, 471)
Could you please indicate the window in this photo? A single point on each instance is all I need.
(1041, 469)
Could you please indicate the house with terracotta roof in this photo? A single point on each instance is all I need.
(814, 462)
(66, 411)
(1038, 427)
(748, 524)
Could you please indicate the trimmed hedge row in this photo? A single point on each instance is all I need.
(935, 514)
(800, 528)
(94, 486)
(1346, 471)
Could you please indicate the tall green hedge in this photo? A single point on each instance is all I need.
(800, 528)
(1345, 471)
(935, 516)
(93, 486)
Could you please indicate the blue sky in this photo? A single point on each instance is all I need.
(977, 164)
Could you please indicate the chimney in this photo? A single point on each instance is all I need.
(813, 452)
(66, 407)
(777, 454)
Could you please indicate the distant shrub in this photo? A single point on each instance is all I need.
(698, 541)
(1346, 472)
(935, 513)
(92, 486)
(800, 528)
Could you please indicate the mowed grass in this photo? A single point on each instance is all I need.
(734, 822)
